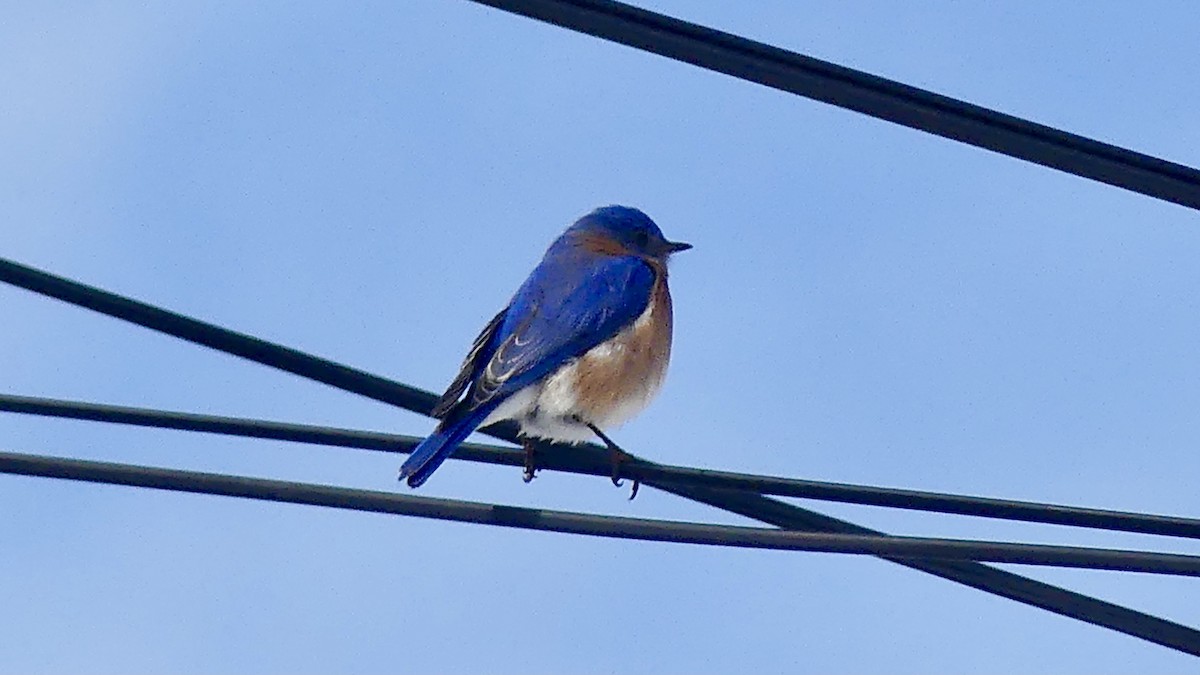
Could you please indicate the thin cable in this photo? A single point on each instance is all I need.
(642, 529)
(561, 458)
(221, 339)
(976, 575)
(868, 94)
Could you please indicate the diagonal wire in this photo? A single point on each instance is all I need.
(868, 94)
(643, 529)
(561, 458)
(976, 575)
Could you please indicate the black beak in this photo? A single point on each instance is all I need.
(677, 246)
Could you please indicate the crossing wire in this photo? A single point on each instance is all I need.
(868, 94)
(864, 93)
(757, 507)
(568, 459)
(618, 527)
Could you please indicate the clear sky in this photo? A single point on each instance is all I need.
(370, 182)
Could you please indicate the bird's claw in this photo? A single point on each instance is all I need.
(617, 456)
(620, 457)
(530, 461)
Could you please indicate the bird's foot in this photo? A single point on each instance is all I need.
(618, 457)
(530, 459)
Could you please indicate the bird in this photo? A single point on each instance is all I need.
(582, 346)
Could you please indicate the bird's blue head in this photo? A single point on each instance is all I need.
(630, 229)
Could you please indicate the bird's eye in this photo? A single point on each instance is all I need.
(641, 238)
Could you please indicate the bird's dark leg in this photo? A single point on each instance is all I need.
(530, 459)
(618, 456)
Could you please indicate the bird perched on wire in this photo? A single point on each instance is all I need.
(582, 346)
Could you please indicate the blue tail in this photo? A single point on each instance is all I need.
(437, 448)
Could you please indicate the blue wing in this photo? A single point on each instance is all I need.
(573, 301)
(477, 357)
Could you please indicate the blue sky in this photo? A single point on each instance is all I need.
(865, 303)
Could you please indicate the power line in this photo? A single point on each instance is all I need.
(566, 458)
(235, 426)
(221, 339)
(599, 526)
(976, 575)
(868, 94)
(856, 91)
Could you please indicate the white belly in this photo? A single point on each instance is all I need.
(606, 386)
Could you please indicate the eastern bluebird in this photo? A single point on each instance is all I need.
(583, 344)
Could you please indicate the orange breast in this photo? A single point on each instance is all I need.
(617, 379)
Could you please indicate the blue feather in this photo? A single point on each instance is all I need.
(438, 446)
(574, 300)
(571, 303)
